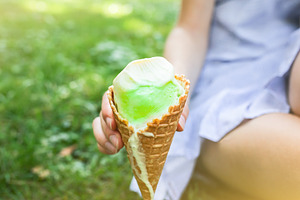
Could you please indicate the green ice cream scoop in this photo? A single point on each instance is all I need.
(145, 89)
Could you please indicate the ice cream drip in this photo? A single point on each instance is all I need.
(143, 91)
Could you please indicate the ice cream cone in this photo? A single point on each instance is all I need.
(155, 140)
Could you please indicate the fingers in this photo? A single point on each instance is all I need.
(103, 144)
(105, 128)
(107, 113)
(113, 136)
(183, 118)
(109, 141)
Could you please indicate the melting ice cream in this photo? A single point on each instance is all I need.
(144, 90)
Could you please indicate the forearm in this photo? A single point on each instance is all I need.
(186, 45)
(186, 52)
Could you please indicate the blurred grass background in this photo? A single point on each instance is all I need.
(57, 57)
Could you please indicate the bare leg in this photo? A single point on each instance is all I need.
(260, 157)
(294, 89)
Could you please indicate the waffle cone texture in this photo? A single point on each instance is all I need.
(155, 148)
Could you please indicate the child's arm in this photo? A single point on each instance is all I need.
(186, 45)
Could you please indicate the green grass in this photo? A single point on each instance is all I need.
(57, 57)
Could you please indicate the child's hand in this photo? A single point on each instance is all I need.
(183, 118)
(105, 128)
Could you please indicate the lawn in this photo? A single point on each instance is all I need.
(57, 57)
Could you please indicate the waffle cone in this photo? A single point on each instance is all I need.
(155, 148)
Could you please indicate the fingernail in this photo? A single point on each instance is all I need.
(109, 122)
(110, 147)
(182, 122)
(114, 140)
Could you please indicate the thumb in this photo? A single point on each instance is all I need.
(183, 117)
(181, 124)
